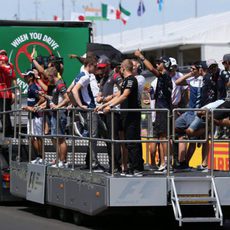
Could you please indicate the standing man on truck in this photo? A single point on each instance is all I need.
(59, 99)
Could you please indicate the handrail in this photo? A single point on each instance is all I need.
(4, 112)
(113, 141)
(219, 212)
(90, 138)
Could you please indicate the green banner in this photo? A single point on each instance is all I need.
(60, 41)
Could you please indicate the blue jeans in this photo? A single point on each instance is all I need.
(60, 129)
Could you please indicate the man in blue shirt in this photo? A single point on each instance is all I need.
(35, 121)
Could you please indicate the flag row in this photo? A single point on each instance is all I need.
(108, 12)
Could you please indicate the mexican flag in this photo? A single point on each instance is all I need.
(110, 12)
(125, 14)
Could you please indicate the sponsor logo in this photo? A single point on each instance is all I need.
(22, 47)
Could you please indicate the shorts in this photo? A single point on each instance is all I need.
(155, 133)
(185, 120)
(61, 126)
(36, 126)
(197, 123)
(161, 124)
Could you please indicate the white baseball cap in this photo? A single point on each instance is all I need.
(173, 61)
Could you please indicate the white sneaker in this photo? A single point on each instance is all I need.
(36, 161)
(162, 168)
(40, 161)
(60, 164)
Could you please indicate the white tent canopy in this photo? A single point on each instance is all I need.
(206, 30)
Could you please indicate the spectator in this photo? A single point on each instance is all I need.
(110, 79)
(82, 92)
(59, 99)
(163, 99)
(35, 125)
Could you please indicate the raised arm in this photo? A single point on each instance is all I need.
(182, 80)
(147, 63)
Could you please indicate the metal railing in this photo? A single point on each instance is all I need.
(74, 137)
(17, 102)
(148, 139)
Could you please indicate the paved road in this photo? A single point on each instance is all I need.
(23, 216)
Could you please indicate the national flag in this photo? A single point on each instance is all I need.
(125, 14)
(160, 4)
(56, 18)
(93, 14)
(77, 16)
(141, 8)
(110, 12)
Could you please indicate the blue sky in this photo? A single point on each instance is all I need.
(173, 10)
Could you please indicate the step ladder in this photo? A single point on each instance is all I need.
(195, 191)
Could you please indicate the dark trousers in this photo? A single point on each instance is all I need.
(8, 125)
(132, 129)
(117, 146)
(99, 129)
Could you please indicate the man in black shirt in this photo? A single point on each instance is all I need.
(162, 96)
(128, 99)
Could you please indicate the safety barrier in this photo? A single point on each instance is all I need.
(17, 112)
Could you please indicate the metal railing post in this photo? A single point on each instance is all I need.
(43, 137)
(73, 140)
(4, 116)
(168, 143)
(90, 141)
(112, 142)
(149, 117)
(30, 135)
(212, 144)
(57, 138)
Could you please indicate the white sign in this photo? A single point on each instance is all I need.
(36, 183)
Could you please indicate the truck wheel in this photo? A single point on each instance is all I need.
(63, 214)
(78, 218)
(50, 212)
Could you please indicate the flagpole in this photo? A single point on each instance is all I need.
(121, 34)
(36, 3)
(141, 31)
(120, 24)
(196, 9)
(163, 19)
(63, 10)
(102, 32)
(102, 28)
(18, 14)
(94, 30)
